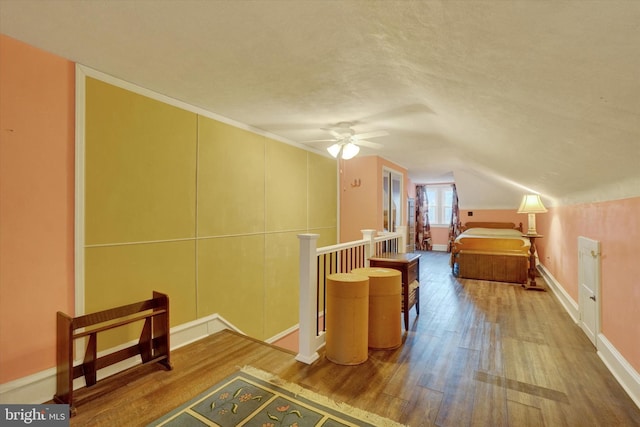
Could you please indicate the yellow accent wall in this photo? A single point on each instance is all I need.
(231, 281)
(281, 282)
(122, 274)
(231, 179)
(286, 187)
(322, 185)
(140, 168)
(199, 209)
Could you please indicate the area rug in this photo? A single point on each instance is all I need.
(251, 397)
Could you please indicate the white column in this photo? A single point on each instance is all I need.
(402, 242)
(370, 248)
(307, 342)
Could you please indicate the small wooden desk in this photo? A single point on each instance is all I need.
(409, 266)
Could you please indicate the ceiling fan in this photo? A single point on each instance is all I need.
(347, 142)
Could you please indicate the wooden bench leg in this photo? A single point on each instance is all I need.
(144, 343)
(89, 363)
(64, 359)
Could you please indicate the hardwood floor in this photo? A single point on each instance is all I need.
(480, 354)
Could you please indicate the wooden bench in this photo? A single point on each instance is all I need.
(153, 345)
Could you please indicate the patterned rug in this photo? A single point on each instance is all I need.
(251, 397)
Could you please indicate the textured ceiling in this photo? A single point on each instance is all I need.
(501, 96)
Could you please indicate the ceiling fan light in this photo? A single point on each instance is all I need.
(334, 150)
(349, 151)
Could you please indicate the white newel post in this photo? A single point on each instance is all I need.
(307, 344)
(402, 242)
(370, 248)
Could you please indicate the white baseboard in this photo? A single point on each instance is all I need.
(628, 377)
(623, 372)
(33, 389)
(283, 334)
(565, 299)
(439, 248)
(41, 386)
(308, 360)
(287, 332)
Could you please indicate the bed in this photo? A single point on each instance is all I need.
(491, 251)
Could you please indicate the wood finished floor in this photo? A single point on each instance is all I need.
(480, 354)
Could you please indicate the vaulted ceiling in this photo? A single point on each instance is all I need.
(501, 96)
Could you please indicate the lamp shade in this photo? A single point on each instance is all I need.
(531, 203)
(334, 150)
(349, 151)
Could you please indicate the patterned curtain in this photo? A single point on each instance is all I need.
(423, 229)
(454, 227)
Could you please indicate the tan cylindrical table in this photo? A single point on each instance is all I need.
(385, 306)
(347, 318)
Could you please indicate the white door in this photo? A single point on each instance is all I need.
(589, 287)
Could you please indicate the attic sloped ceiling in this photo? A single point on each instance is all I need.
(502, 96)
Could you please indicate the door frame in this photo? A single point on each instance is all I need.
(387, 190)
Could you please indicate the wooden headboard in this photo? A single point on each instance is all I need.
(508, 225)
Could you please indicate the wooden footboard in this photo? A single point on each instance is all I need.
(499, 267)
(491, 251)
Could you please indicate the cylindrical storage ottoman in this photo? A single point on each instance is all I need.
(385, 306)
(347, 318)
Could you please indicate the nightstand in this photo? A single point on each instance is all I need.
(409, 266)
(531, 284)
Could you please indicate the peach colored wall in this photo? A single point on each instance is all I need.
(439, 235)
(361, 206)
(500, 215)
(615, 224)
(410, 188)
(36, 213)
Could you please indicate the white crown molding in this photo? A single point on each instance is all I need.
(85, 71)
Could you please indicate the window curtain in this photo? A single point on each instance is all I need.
(454, 227)
(423, 229)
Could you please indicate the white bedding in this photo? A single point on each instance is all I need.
(493, 232)
(501, 233)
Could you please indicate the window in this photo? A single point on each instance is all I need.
(440, 198)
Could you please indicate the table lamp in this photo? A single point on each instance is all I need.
(531, 204)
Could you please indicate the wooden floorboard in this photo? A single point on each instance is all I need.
(480, 354)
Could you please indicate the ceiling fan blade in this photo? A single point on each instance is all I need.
(319, 140)
(373, 134)
(369, 144)
(336, 134)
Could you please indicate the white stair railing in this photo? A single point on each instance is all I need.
(316, 264)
